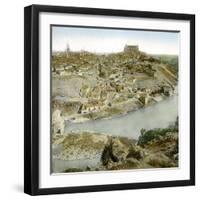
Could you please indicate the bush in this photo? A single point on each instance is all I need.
(147, 136)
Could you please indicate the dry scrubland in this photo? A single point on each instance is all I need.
(87, 86)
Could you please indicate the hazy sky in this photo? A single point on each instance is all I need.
(113, 40)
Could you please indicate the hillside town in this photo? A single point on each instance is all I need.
(90, 86)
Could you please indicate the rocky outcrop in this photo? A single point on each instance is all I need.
(117, 155)
(58, 122)
(114, 151)
(160, 153)
(156, 148)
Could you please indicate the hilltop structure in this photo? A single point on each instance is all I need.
(67, 48)
(131, 48)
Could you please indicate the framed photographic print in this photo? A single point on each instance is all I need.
(109, 100)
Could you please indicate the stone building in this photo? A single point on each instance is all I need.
(131, 48)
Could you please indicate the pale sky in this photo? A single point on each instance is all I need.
(113, 40)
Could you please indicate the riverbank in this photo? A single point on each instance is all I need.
(116, 109)
(87, 151)
(130, 124)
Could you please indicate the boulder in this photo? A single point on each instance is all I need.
(136, 152)
(114, 152)
(119, 150)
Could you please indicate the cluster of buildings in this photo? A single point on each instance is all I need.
(114, 86)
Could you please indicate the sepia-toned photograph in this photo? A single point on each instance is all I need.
(114, 99)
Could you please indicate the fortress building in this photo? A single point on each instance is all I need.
(131, 48)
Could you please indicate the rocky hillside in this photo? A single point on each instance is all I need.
(156, 148)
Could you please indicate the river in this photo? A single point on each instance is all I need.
(159, 115)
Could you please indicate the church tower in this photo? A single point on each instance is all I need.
(67, 49)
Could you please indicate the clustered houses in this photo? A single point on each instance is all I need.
(98, 96)
(62, 69)
(103, 94)
(91, 106)
(119, 78)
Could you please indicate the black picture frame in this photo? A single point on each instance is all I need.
(31, 99)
